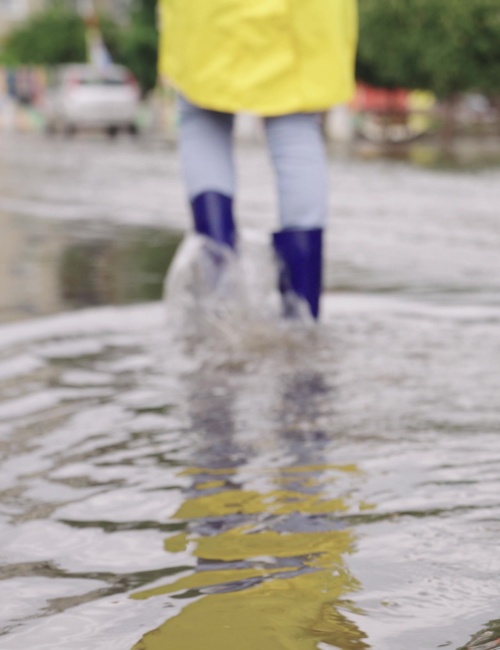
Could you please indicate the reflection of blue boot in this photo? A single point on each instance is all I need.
(213, 217)
(299, 254)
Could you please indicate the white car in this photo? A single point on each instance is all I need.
(82, 97)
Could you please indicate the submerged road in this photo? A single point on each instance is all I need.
(259, 486)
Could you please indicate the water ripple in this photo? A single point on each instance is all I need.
(339, 493)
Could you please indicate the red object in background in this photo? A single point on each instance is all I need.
(380, 100)
(132, 81)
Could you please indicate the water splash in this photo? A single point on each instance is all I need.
(227, 301)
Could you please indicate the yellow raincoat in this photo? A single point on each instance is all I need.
(268, 57)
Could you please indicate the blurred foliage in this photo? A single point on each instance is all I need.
(447, 47)
(139, 43)
(56, 35)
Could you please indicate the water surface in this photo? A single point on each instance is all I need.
(263, 486)
(337, 493)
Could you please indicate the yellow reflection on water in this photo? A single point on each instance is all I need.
(284, 614)
(240, 544)
(279, 502)
(256, 588)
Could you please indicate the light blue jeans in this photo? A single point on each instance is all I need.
(297, 152)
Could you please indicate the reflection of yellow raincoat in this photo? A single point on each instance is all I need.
(269, 57)
(261, 589)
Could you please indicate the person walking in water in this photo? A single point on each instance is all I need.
(286, 61)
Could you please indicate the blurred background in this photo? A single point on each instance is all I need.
(88, 132)
(423, 67)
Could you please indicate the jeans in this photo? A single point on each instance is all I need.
(297, 153)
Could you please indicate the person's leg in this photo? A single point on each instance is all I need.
(299, 159)
(298, 154)
(205, 142)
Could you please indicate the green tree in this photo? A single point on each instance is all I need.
(139, 43)
(56, 35)
(447, 47)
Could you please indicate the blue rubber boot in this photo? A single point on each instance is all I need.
(213, 217)
(300, 259)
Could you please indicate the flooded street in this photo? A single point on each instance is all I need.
(265, 487)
